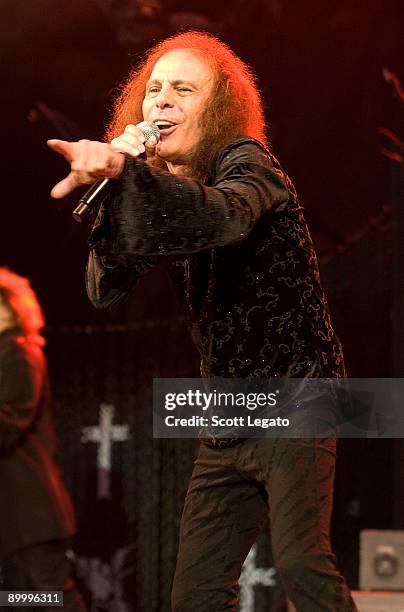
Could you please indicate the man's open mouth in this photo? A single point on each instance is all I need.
(165, 127)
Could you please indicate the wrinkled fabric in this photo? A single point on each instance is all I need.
(240, 256)
(230, 494)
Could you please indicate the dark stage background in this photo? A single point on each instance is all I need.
(320, 66)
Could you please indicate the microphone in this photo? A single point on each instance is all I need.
(98, 191)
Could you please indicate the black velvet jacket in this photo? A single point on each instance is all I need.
(241, 257)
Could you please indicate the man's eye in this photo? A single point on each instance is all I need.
(153, 90)
(184, 89)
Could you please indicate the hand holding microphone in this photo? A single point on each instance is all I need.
(91, 160)
(137, 139)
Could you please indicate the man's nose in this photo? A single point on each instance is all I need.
(164, 99)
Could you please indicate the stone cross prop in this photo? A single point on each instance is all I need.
(252, 576)
(105, 434)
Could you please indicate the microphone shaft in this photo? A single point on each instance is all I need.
(89, 198)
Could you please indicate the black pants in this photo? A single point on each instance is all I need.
(229, 495)
(43, 567)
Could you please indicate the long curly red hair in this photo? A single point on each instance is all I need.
(235, 107)
(17, 294)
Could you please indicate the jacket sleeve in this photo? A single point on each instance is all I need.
(150, 213)
(111, 275)
(21, 384)
(158, 213)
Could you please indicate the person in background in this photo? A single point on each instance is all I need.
(36, 514)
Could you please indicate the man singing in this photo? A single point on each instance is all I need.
(213, 200)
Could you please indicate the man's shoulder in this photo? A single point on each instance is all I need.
(250, 155)
(247, 150)
(243, 146)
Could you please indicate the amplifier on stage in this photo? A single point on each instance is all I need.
(381, 565)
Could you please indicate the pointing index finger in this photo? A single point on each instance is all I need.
(61, 146)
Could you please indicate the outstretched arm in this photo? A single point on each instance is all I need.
(158, 213)
(91, 160)
(108, 281)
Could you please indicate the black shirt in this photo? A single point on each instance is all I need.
(240, 255)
